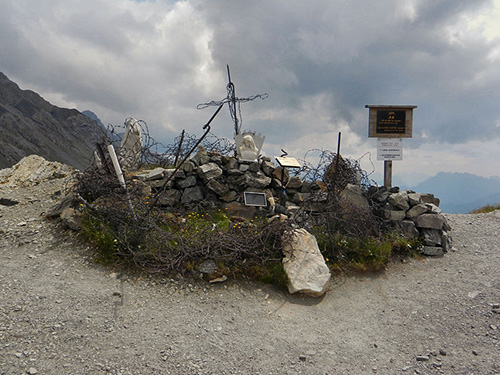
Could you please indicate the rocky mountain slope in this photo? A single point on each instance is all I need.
(31, 125)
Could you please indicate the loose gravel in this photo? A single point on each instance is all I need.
(60, 313)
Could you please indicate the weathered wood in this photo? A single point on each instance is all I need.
(390, 121)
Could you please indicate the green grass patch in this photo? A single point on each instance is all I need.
(486, 209)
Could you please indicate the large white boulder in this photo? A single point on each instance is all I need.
(304, 264)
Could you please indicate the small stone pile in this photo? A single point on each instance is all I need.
(417, 214)
(210, 180)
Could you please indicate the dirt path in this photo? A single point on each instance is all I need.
(62, 314)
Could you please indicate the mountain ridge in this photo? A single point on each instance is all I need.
(31, 125)
(461, 192)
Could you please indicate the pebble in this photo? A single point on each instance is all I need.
(32, 371)
(422, 358)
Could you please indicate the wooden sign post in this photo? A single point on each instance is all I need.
(390, 121)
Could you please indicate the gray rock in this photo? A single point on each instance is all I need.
(201, 157)
(416, 211)
(129, 152)
(62, 205)
(409, 229)
(294, 183)
(208, 171)
(399, 200)
(394, 215)
(192, 195)
(188, 166)
(217, 187)
(258, 180)
(433, 208)
(422, 358)
(153, 174)
(244, 167)
(72, 219)
(414, 199)
(235, 172)
(429, 198)
(230, 196)
(254, 167)
(352, 198)
(446, 241)
(169, 198)
(267, 168)
(430, 221)
(434, 251)
(432, 237)
(186, 182)
(232, 163)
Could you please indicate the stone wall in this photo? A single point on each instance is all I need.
(210, 180)
(417, 214)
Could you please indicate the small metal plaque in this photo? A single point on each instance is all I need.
(287, 162)
(255, 199)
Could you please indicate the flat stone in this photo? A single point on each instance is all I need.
(416, 211)
(394, 215)
(422, 358)
(259, 180)
(430, 221)
(153, 174)
(433, 251)
(209, 171)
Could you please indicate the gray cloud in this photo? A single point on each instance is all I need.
(320, 62)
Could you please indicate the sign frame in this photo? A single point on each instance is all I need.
(390, 149)
(390, 121)
(255, 199)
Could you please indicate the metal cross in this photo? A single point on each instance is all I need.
(233, 102)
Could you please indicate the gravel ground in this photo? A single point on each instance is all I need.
(62, 314)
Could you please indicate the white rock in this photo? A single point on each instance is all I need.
(304, 265)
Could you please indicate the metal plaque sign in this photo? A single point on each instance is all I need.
(390, 149)
(287, 162)
(255, 199)
(390, 121)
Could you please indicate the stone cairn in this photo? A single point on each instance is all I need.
(211, 180)
(418, 215)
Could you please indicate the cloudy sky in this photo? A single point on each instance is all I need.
(320, 61)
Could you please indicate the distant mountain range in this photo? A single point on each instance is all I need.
(461, 192)
(31, 125)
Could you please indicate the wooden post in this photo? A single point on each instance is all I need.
(388, 174)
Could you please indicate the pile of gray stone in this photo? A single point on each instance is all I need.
(417, 214)
(211, 180)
